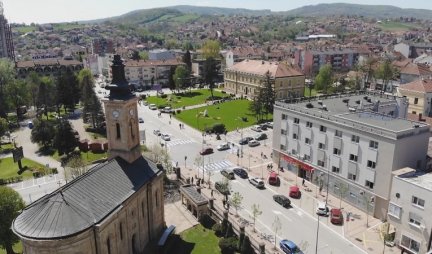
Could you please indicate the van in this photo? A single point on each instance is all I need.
(273, 178)
(227, 173)
(257, 182)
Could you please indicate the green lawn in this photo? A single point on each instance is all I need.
(204, 241)
(17, 248)
(88, 157)
(308, 93)
(228, 113)
(396, 26)
(187, 99)
(6, 147)
(25, 29)
(10, 169)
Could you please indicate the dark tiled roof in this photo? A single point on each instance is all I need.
(192, 193)
(84, 201)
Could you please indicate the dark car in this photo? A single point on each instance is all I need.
(245, 140)
(140, 120)
(261, 136)
(222, 188)
(282, 200)
(227, 173)
(240, 172)
(207, 150)
(289, 247)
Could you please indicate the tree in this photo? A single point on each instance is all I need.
(171, 81)
(385, 72)
(256, 211)
(236, 200)
(229, 231)
(246, 247)
(342, 189)
(324, 78)
(3, 127)
(33, 82)
(64, 138)
(46, 94)
(18, 95)
(180, 77)
(268, 94)
(256, 106)
(68, 92)
(367, 68)
(210, 49)
(187, 59)
(144, 55)
(241, 239)
(135, 55)
(210, 73)
(11, 204)
(43, 132)
(92, 109)
(75, 167)
(277, 226)
(7, 76)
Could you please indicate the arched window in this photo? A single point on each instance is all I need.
(118, 130)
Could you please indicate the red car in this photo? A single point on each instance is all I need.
(207, 150)
(294, 192)
(273, 178)
(336, 216)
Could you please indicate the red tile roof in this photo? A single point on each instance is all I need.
(259, 67)
(424, 86)
(416, 69)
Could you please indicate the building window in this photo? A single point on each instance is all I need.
(283, 132)
(353, 157)
(418, 201)
(335, 169)
(118, 131)
(307, 141)
(355, 138)
(415, 100)
(306, 157)
(284, 117)
(410, 244)
(338, 133)
(296, 120)
(414, 220)
(352, 176)
(373, 144)
(369, 184)
(394, 210)
(336, 151)
(321, 163)
(323, 128)
(309, 124)
(371, 164)
(294, 136)
(293, 151)
(321, 146)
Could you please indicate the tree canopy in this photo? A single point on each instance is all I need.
(210, 49)
(11, 204)
(43, 132)
(64, 138)
(180, 76)
(324, 78)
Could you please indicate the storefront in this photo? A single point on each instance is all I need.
(296, 166)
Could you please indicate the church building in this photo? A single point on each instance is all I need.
(116, 207)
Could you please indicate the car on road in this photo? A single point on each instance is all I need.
(165, 137)
(294, 192)
(152, 106)
(222, 188)
(261, 136)
(322, 209)
(245, 140)
(282, 200)
(141, 120)
(157, 132)
(166, 110)
(240, 172)
(253, 143)
(207, 150)
(289, 247)
(30, 124)
(256, 128)
(224, 146)
(336, 216)
(257, 182)
(228, 174)
(273, 178)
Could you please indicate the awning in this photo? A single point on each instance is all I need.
(295, 161)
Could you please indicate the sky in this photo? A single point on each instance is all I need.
(54, 11)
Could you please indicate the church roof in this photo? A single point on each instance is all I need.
(85, 201)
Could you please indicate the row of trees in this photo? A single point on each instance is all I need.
(262, 104)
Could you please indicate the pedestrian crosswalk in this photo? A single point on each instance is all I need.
(175, 142)
(217, 166)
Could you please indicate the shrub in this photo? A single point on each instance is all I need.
(163, 95)
(218, 128)
(228, 245)
(223, 92)
(143, 96)
(217, 228)
(178, 111)
(246, 247)
(229, 232)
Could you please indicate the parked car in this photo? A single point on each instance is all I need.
(257, 182)
(245, 140)
(322, 209)
(152, 106)
(157, 132)
(282, 200)
(166, 110)
(227, 173)
(222, 188)
(261, 136)
(207, 150)
(30, 124)
(253, 143)
(269, 125)
(273, 178)
(256, 128)
(289, 247)
(263, 126)
(336, 216)
(165, 137)
(294, 192)
(140, 120)
(145, 103)
(224, 146)
(240, 172)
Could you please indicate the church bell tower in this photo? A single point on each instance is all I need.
(121, 116)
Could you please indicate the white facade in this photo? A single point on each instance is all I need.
(358, 147)
(403, 48)
(410, 210)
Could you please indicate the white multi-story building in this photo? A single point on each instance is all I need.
(349, 143)
(410, 209)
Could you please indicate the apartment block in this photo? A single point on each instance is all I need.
(349, 144)
(410, 209)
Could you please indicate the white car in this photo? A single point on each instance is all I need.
(256, 128)
(165, 137)
(224, 146)
(257, 182)
(166, 110)
(322, 209)
(152, 106)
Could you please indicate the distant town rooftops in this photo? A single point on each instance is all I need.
(46, 62)
(142, 63)
(419, 178)
(260, 68)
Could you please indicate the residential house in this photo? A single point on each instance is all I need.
(419, 95)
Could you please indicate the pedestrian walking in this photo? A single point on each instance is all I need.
(303, 182)
(211, 193)
(192, 179)
(170, 116)
(180, 126)
(262, 154)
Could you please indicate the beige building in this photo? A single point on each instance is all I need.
(149, 72)
(419, 94)
(247, 77)
(410, 210)
(116, 207)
